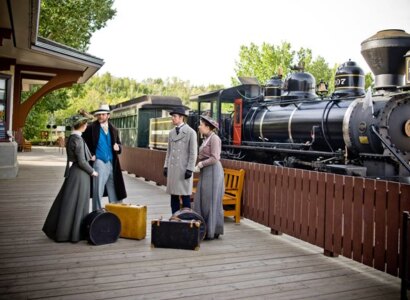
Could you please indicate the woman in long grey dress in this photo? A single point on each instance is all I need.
(71, 205)
(210, 188)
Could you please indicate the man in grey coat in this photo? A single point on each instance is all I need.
(180, 160)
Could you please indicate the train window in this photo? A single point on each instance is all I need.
(193, 105)
(205, 107)
(227, 108)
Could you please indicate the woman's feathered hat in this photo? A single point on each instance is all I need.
(81, 116)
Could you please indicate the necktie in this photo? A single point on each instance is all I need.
(105, 128)
(177, 129)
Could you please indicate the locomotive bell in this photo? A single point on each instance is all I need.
(384, 53)
(299, 85)
(349, 80)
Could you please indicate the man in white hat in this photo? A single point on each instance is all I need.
(103, 141)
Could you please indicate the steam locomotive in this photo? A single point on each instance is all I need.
(286, 123)
(351, 132)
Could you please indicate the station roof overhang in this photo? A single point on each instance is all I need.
(21, 45)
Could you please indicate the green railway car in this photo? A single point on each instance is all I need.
(132, 118)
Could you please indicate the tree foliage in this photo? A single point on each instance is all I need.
(42, 113)
(263, 62)
(368, 81)
(72, 22)
(267, 60)
(111, 90)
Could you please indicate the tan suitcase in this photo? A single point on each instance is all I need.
(133, 219)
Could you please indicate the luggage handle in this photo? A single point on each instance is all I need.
(130, 204)
(158, 221)
(173, 218)
(192, 223)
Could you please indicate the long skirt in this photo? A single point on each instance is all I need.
(208, 199)
(71, 205)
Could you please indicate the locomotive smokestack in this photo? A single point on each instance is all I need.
(384, 53)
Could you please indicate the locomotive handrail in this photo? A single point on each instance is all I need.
(292, 151)
(252, 112)
(248, 98)
(384, 142)
(273, 144)
(326, 111)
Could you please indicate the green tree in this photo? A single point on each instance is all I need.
(263, 62)
(267, 60)
(72, 22)
(108, 89)
(368, 81)
(43, 112)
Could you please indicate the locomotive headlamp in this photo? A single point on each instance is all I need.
(407, 128)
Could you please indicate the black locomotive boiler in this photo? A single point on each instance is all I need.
(351, 132)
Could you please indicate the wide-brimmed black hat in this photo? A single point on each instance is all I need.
(178, 110)
(210, 121)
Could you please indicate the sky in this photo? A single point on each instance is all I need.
(199, 41)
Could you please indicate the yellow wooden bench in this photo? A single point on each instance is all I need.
(233, 193)
(26, 146)
(231, 200)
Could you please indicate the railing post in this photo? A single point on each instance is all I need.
(404, 245)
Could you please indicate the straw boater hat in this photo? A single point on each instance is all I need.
(210, 121)
(103, 109)
(179, 110)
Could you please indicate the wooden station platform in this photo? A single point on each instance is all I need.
(247, 262)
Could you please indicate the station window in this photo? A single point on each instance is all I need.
(4, 89)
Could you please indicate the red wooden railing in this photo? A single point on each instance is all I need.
(355, 217)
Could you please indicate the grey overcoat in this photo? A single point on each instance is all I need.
(181, 156)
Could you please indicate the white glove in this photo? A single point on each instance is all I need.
(197, 169)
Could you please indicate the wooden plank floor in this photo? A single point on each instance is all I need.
(247, 262)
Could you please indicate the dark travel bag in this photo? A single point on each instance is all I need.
(176, 234)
